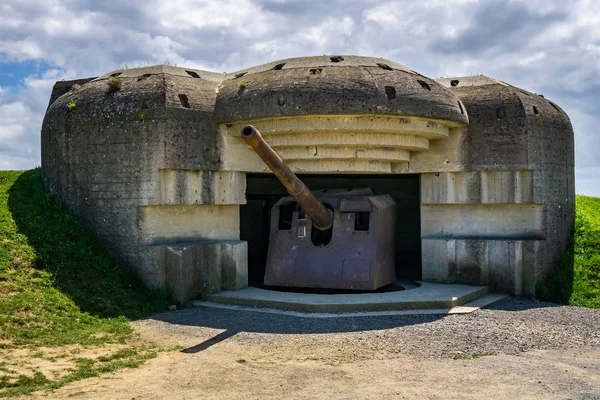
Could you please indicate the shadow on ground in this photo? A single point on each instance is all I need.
(233, 321)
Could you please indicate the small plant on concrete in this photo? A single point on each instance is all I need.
(114, 84)
(71, 105)
(143, 110)
(243, 84)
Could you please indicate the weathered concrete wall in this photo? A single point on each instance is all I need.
(62, 87)
(122, 160)
(95, 156)
(519, 152)
(471, 223)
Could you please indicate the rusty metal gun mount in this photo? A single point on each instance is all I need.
(332, 239)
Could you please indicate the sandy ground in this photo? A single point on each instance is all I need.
(514, 349)
(53, 362)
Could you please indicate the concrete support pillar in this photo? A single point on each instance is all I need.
(201, 268)
(234, 265)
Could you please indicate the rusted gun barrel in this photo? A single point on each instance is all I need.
(322, 218)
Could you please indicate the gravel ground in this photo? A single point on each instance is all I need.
(511, 349)
(510, 326)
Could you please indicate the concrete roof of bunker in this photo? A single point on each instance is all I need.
(325, 85)
(532, 103)
(321, 85)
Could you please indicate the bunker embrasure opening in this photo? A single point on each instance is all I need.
(264, 191)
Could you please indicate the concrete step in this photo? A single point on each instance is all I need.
(466, 308)
(425, 296)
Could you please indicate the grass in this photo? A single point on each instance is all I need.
(576, 279)
(58, 284)
(472, 356)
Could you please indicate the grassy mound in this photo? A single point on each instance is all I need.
(576, 280)
(58, 284)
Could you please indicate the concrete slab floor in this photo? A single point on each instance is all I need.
(427, 296)
(464, 309)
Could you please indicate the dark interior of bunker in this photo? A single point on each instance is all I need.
(264, 190)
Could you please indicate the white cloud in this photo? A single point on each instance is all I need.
(21, 116)
(546, 47)
(588, 178)
(10, 131)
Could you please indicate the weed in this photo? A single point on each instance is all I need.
(143, 110)
(243, 84)
(23, 384)
(119, 354)
(7, 370)
(175, 348)
(472, 356)
(114, 84)
(71, 106)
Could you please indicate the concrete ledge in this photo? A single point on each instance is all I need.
(191, 187)
(173, 224)
(483, 221)
(426, 296)
(333, 143)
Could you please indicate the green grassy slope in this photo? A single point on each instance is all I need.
(58, 285)
(576, 280)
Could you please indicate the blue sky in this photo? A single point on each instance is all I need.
(13, 73)
(546, 47)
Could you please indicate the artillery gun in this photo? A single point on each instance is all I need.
(330, 239)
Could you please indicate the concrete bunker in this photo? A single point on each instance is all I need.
(483, 171)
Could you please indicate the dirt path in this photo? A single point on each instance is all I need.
(515, 349)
